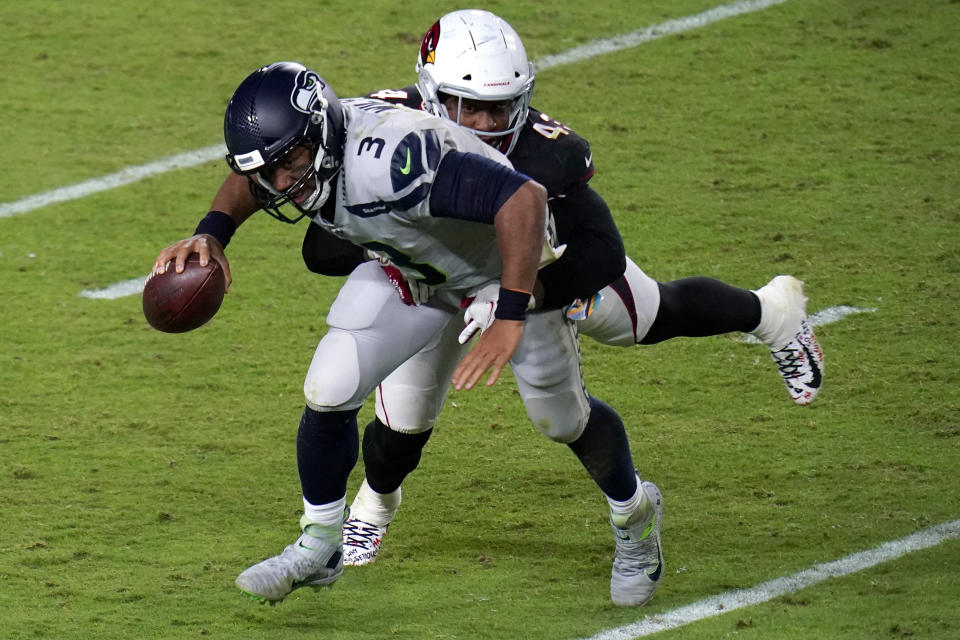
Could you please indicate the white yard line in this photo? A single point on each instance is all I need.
(118, 179)
(732, 600)
(122, 289)
(648, 34)
(193, 158)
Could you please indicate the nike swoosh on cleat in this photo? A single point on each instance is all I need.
(655, 575)
(588, 159)
(814, 366)
(406, 169)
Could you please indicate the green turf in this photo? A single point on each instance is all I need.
(140, 472)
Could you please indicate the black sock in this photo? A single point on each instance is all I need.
(701, 306)
(327, 448)
(604, 451)
(388, 456)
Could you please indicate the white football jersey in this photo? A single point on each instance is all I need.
(390, 160)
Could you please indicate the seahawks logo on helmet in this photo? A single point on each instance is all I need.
(305, 91)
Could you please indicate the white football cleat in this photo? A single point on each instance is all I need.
(314, 560)
(638, 558)
(361, 541)
(785, 328)
(370, 515)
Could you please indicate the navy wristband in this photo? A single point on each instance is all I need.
(512, 305)
(219, 225)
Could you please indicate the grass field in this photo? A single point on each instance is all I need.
(140, 472)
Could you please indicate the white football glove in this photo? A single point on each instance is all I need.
(480, 313)
(550, 254)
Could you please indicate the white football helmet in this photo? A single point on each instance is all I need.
(476, 55)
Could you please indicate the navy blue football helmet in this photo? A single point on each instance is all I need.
(277, 109)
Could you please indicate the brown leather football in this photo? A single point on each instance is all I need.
(177, 302)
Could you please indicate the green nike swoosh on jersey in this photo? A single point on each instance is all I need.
(406, 169)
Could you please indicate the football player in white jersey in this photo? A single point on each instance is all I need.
(473, 69)
(445, 211)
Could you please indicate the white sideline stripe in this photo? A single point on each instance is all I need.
(193, 158)
(732, 600)
(118, 179)
(648, 34)
(122, 289)
(832, 314)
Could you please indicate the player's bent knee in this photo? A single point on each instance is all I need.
(561, 418)
(409, 408)
(408, 427)
(328, 388)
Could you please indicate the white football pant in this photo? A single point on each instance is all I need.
(627, 310)
(411, 398)
(372, 333)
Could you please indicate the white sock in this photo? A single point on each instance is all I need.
(770, 319)
(782, 307)
(376, 508)
(328, 515)
(626, 507)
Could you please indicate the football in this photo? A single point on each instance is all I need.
(177, 302)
